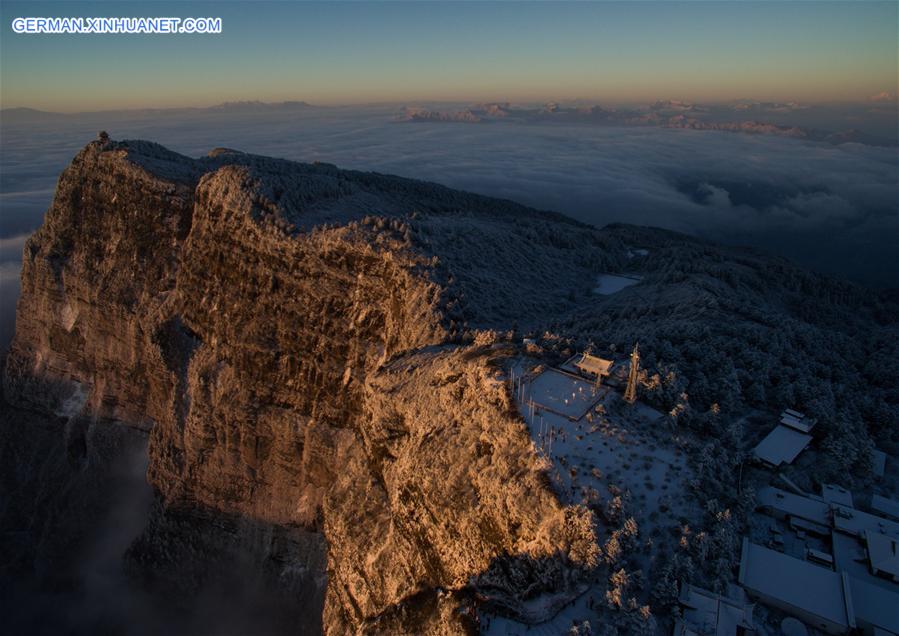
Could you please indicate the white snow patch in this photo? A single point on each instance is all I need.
(607, 284)
(563, 394)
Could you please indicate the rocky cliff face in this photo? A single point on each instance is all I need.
(296, 340)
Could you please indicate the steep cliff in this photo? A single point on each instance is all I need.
(296, 340)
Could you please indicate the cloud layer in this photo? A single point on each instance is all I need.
(768, 118)
(829, 207)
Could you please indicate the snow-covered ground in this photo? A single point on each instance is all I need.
(579, 611)
(607, 284)
(613, 449)
(562, 393)
(620, 441)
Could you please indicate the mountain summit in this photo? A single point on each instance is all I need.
(321, 359)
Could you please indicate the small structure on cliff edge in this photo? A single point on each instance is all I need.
(591, 366)
(630, 393)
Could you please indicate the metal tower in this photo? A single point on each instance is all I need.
(630, 393)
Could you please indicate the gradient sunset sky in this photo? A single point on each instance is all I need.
(382, 52)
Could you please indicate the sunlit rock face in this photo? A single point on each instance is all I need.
(98, 270)
(292, 337)
(457, 491)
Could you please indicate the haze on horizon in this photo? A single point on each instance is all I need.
(345, 53)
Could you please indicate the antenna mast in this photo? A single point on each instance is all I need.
(630, 393)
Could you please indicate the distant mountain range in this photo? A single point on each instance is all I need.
(728, 117)
(26, 114)
(783, 119)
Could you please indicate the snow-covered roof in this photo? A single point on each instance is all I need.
(837, 597)
(796, 584)
(874, 606)
(857, 522)
(708, 613)
(837, 494)
(781, 446)
(593, 365)
(794, 505)
(883, 554)
(885, 506)
(801, 424)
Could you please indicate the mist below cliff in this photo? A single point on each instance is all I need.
(70, 516)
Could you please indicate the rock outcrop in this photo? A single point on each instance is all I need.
(297, 341)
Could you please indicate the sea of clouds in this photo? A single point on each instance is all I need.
(828, 207)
